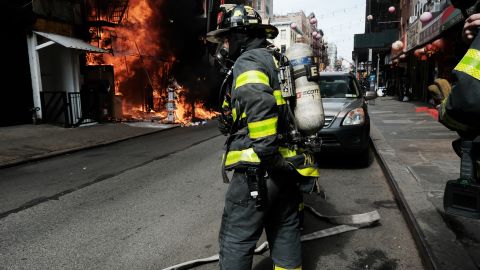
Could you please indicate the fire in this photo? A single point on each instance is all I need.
(188, 112)
(142, 65)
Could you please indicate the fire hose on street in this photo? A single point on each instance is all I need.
(345, 223)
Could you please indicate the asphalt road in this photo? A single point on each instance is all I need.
(156, 201)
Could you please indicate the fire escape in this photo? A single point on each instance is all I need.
(106, 12)
(103, 16)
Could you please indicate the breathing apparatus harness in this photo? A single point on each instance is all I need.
(287, 76)
(293, 138)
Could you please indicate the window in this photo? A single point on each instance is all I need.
(283, 34)
(338, 87)
(259, 5)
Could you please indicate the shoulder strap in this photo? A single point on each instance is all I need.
(228, 142)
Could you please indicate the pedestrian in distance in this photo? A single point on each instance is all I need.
(263, 192)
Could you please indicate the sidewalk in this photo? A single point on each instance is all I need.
(412, 147)
(24, 143)
(416, 155)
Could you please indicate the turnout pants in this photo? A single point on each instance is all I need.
(243, 224)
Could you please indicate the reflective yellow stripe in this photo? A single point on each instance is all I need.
(225, 104)
(278, 97)
(251, 76)
(301, 206)
(247, 155)
(234, 114)
(309, 172)
(287, 152)
(470, 64)
(281, 268)
(263, 128)
(275, 61)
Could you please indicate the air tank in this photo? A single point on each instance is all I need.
(308, 110)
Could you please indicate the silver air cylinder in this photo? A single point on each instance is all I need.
(308, 111)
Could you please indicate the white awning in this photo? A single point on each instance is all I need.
(69, 42)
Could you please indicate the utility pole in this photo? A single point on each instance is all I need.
(378, 71)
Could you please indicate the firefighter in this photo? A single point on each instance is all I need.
(459, 107)
(263, 191)
(459, 110)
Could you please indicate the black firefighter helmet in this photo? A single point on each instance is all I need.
(233, 16)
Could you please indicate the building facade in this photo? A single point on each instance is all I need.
(52, 39)
(264, 8)
(372, 49)
(297, 27)
(431, 48)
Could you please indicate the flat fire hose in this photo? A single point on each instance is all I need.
(348, 223)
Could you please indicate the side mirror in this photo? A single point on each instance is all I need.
(369, 95)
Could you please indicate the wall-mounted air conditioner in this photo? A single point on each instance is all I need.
(412, 19)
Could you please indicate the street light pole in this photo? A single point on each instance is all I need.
(378, 71)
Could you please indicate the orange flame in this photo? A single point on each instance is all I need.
(142, 66)
(188, 112)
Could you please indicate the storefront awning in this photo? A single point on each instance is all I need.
(70, 42)
(382, 39)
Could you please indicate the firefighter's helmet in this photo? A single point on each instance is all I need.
(233, 16)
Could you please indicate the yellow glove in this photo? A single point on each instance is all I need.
(440, 90)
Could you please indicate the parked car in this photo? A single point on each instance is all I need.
(347, 123)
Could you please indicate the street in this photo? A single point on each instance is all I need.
(156, 201)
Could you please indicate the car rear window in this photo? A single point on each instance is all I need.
(338, 87)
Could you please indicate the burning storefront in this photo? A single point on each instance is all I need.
(157, 61)
(118, 60)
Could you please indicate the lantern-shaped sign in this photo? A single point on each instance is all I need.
(397, 45)
(426, 17)
(439, 43)
(391, 9)
(419, 52)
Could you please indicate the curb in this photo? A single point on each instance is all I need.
(77, 149)
(419, 238)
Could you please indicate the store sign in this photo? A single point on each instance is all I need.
(451, 16)
(430, 31)
(412, 35)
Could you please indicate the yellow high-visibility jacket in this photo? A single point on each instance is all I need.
(261, 114)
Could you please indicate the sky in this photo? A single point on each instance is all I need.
(339, 19)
